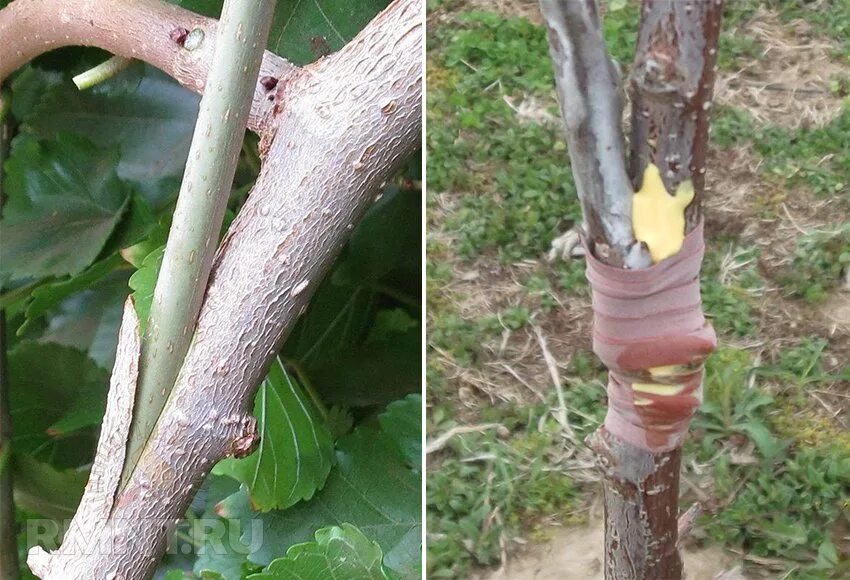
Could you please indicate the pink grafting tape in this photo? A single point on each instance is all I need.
(645, 319)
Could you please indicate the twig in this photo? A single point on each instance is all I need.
(102, 72)
(688, 519)
(441, 441)
(517, 376)
(151, 31)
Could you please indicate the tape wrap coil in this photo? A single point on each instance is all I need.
(645, 319)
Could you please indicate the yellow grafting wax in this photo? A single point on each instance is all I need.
(660, 390)
(666, 371)
(658, 218)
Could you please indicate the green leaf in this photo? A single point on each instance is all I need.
(143, 283)
(222, 555)
(372, 372)
(45, 490)
(46, 380)
(305, 30)
(28, 87)
(48, 296)
(296, 449)
(65, 200)
(371, 487)
(368, 257)
(339, 553)
(353, 351)
(403, 422)
(151, 124)
(89, 320)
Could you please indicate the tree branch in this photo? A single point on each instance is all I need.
(589, 91)
(671, 85)
(207, 180)
(149, 30)
(357, 116)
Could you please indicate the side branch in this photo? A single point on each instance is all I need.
(177, 41)
(591, 101)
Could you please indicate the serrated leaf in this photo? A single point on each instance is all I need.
(354, 352)
(65, 199)
(338, 553)
(89, 320)
(394, 363)
(151, 124)
(28, 86)
(295, 453)
(48, 296)
(368, 257)
(371, 487)
(403, 422)
(218, 554)
(45, 490)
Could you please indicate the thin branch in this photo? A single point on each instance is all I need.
(177, 41)
(102, 72)
(442, 440)
(207, 180)
(589, 91)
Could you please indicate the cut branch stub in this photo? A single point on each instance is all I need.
(671, 87)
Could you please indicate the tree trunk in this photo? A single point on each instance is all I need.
(655, 373)
(331, 133)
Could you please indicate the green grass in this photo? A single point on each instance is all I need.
(490, 487)
(819, 259)
(785, 505)
(817, 157)
(730, 304)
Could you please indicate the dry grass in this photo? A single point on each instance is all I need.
(789, 84)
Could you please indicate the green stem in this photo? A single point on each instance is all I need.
(220, 129)
(102, 72)
(9, 567)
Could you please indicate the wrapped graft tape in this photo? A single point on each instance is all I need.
(650, 332)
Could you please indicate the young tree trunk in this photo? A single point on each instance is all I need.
(331, 134)
(662, 339)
